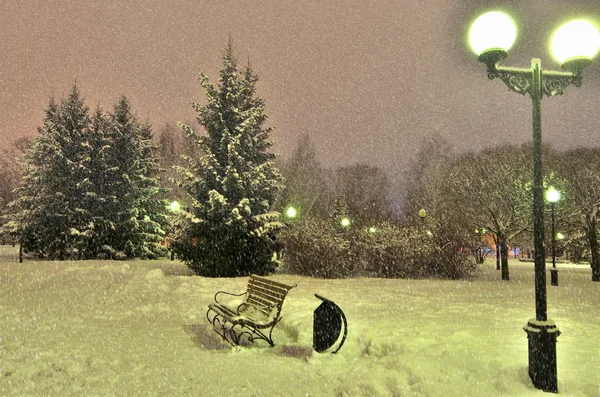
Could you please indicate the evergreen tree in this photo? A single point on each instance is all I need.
(49, 205)
(228, 229)
(89, 185)
(136, 214)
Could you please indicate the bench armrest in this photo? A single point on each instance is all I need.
(227, 293)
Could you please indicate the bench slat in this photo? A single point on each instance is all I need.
(255, 299)
(271, 282)
(266, 294)
(277, 292)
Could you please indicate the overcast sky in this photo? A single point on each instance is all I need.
(367, 79)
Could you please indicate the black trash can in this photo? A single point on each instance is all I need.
(328, 321)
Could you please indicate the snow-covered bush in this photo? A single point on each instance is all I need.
(413, 252)
(316, 248)
(320, 249)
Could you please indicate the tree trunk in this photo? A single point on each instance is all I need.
(496, 241)
(504, 259)
(593, 242)
(497, 256)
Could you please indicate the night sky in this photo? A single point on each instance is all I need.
(367, 80)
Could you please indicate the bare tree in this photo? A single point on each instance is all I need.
(580, 172)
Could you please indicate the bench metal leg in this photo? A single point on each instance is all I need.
(228, 331)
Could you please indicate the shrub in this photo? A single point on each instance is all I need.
(316, 248)
(321, 249)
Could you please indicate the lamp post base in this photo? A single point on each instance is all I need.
(554, 277)
(541, 337)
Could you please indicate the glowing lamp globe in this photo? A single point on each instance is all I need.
(291, 212)
(552, 195)
(345, 222)
(492, 31)
(575, 40)
(372, 229)
(175, 206)
(560, 236)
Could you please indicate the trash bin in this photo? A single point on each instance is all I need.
(328, 321)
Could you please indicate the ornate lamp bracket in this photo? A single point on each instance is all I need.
(516, 80)
(521, 80)
(553, 85)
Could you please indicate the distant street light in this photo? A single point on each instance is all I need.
(175, 206)
(345, 222)
(481, 246)
(553, 195)
(574, 45)
(372, 229)
(291, 212)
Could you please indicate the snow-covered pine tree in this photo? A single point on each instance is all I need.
(135, 211)
(95, 196)
(89, 185)
(49, 210)
(227, 228)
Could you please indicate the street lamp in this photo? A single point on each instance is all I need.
(345, 222)
(553, 195)
(574, 45)
(291, 212)
(173, 207)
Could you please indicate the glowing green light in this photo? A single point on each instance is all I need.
(552, 195)
(560, 236)
(345, 222)
(175, 206)
(372, 229)
(492, 30)
(422, 213)
(291, 212)
(575, 39)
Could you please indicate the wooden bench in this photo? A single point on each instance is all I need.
(258, 313)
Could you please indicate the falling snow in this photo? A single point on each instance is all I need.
(367, 81)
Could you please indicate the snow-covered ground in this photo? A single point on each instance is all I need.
(139, 328)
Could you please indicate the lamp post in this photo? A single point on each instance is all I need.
(574, 45)
(481, 247)
(422, 215)
(174, 207)
(553, 195)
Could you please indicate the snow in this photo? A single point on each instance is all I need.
(139, 328)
